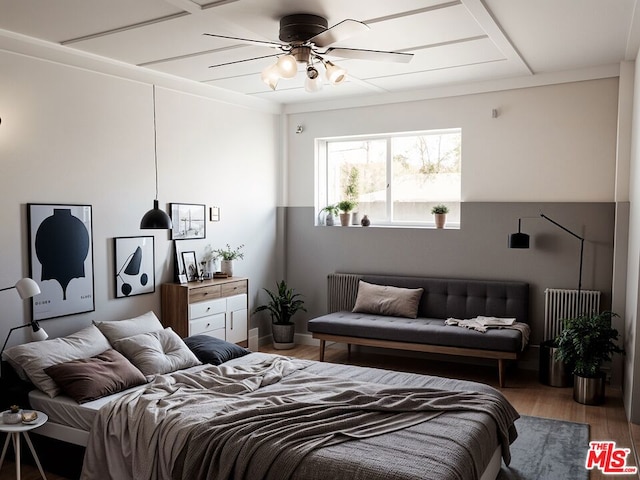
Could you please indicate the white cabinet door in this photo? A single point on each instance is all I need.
(237, 318)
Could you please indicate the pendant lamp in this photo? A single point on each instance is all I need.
(155, 218)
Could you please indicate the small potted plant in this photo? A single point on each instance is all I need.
(585, 343)
(283, 304)
(345, 207)
(331, 212)
(228, 255)
(440, 213)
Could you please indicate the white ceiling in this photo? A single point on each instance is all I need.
(453, 42)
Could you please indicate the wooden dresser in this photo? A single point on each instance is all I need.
(218, 307)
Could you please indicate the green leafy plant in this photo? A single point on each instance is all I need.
(283, 304)
(346, 205)
(440, 208)
(586, 342)
(332, 209)
(229, 253)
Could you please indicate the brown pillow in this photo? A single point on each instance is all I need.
(387, 300)
(91, 378)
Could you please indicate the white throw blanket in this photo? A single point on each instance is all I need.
(482, 324)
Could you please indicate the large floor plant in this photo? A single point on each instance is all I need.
(283, 304)
(586, 343)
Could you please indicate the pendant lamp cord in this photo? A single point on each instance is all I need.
(155, 139)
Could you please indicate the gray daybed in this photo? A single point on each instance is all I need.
(442, 298)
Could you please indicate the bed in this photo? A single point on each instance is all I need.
(267, 416)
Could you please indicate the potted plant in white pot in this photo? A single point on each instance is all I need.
(440, 213)
(228, 255)
(345, 207)
(585, 343)
(283, 304)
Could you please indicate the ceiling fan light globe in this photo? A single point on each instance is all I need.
(287, 66)
(335, 74)
(312, 85)
(270, 76)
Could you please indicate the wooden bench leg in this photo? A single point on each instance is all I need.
(501, 371)
(322, 342)
(348, 350)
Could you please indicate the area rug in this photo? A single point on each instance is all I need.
(548, 450)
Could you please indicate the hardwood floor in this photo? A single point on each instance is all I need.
(528, 396)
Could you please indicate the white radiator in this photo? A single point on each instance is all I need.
(560, 304)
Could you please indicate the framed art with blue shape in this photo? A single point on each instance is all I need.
(61, 259)
(134, 266)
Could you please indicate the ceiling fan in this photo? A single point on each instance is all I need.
(307, 40)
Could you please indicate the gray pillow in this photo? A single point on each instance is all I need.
(155, 353)
(118, 329)
(387, 300)
(33, 358)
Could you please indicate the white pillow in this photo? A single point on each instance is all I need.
(118, 329)
(155, 353)
(32, 358)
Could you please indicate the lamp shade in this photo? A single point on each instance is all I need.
(335, 74)
(518, 240)
(156, 219)
(287, 66)
(27, 288)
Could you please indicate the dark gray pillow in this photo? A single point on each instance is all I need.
(213, 350)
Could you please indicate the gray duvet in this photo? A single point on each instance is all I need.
(269, 417)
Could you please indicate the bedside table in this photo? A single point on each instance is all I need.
(13, 432)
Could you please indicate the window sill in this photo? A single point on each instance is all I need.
(453, 226)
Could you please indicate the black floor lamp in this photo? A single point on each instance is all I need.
(521, 240)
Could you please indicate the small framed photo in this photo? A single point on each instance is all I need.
(134, 266)
(181, 274)
(190, 266)
(189, 221)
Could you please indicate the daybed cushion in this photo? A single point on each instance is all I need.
(118, 329)
(387, 300)
(91, 378)
(421, 330)
(32, 358)
(155, 353)
(213, 350)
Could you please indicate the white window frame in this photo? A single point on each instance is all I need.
(321, 186)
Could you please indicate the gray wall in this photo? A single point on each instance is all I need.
(477, 250)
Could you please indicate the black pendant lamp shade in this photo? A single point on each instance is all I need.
(155, 218)
(519, 240)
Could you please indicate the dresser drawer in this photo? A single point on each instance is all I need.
(237, 302)
(234, 288)
(202, 309)
(200, 294)
(206, 324)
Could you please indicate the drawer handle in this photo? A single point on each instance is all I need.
(208, 324)
(208, 308)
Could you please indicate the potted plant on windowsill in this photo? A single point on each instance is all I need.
(331, 211)
(282, 305)
(440, 213)
(228, 255)
(345, 207)
(585, 343)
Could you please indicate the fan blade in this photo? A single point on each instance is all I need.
(375, 55)
(249, 41)
(340, 31)
(241, 61)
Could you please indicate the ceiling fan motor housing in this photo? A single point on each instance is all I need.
(301, 27)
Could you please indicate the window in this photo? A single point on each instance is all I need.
(394, 179)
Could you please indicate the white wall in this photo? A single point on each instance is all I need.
(554, 143)
(73, 135)
(632, 313)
